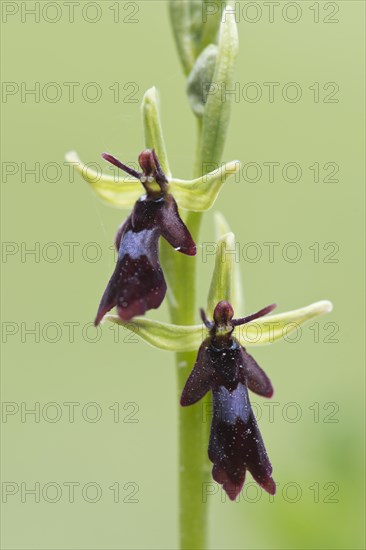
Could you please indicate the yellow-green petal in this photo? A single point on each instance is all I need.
(116, 191)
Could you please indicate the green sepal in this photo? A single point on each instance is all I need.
(199, 195)
(114, 190)
(271, 328)
(221, 287)
(165, 336)
(265, 330)
(154, 138)
(196, 195)
(237, 296)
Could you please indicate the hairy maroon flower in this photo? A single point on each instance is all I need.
(224, 367)
(138, 283)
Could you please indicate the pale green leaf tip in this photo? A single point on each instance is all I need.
(232, 167)
(324, 306)
(151, 95)
(228, 238)
(72, 156)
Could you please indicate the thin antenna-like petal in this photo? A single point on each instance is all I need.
(113, 160)
(257, 315)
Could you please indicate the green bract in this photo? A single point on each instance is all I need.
(216, 114)
(200, 79)
(195, 25)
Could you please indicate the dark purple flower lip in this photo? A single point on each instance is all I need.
(138, 282)
(224, 367)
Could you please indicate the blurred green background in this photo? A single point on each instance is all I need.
(315, 437)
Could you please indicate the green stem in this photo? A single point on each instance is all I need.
(180, 270)
(192, 454)
(193, 462)
(192, 466)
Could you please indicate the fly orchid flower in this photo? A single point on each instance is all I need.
(138, 283)
(224, 367)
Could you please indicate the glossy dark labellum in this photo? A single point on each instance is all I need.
(224, 367)
(138, 283)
